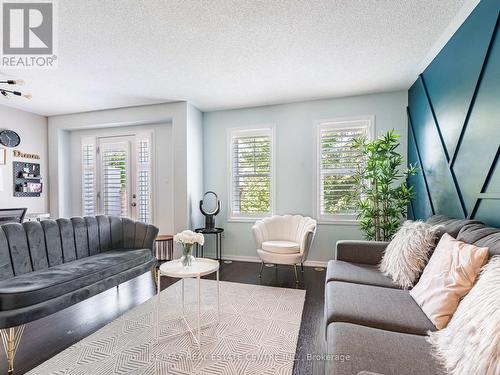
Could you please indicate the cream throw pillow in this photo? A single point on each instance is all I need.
(447, 278)
(407, 254)
(470, 344)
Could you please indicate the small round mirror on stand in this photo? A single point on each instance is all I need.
(210, 207)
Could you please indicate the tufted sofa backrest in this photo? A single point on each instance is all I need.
(481, 235)
(34, 246)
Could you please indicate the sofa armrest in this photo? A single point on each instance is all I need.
(306, 242)
(150, 237)
(258, 233)
(367, 252)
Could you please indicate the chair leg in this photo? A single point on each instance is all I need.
(154, 274)
(10, 339)
(302, 267)
(261, 268)
(296, 276)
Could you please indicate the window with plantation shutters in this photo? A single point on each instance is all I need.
(337, 163)
(251, 177)
(117, 176)
(88, 177)
(144, 181)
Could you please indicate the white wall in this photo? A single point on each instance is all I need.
(194, 148)
(33, 132)
(162, 169)
(294, 159)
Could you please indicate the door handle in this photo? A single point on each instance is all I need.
(133, 204)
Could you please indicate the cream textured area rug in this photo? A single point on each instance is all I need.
(257, 334)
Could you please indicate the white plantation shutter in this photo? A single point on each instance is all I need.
(144, 181)
(115, 184)
(251, 163)
(338, 163)
(88, 176)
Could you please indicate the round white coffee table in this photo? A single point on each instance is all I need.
(199, 268)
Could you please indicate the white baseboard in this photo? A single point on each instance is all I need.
(256, 259)
(242, 258)
(315, 263)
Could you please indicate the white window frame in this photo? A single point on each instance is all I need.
(138, 135)
(335, 123)
(270, 130)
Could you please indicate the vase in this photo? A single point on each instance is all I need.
(187, 256)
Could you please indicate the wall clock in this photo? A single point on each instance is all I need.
(9, 138)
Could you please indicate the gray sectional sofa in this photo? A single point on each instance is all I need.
(50, 265)
(372, 324)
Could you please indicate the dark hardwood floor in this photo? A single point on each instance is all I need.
(46, 337)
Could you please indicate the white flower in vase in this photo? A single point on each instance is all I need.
(187, 239)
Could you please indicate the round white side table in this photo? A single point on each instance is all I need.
(199, 268)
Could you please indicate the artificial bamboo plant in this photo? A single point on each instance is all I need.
(382, 194)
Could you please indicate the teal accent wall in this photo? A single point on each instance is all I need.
(454, 124)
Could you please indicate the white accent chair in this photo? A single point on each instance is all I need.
(284, 240)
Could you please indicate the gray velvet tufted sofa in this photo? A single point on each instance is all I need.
(50, 265)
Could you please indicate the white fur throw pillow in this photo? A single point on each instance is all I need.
(470, 344)
(407, 254)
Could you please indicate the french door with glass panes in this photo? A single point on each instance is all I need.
(117, 176)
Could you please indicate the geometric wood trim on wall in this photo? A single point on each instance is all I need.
(454, 124)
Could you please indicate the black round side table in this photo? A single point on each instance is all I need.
(218, 240)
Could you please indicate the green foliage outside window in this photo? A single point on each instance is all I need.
(252, 175)
(116, 160)
(337, 203)
(338, 164)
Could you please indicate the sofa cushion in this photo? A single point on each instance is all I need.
(448, 277)
(359, 251)
(470, 343)
(268, 257)
(449, 225)
(357, 273)
(481, 235)
(35, 287)
(372, 306)
(281, 247)
(378, 351)
(408, 252)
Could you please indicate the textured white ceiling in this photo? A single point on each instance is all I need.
(224, 54)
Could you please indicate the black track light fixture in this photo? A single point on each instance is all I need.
(6, 92)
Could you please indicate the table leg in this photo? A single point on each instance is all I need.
(218, 298)
(217, 246)
(182, 286)
(199, 311)
(158, 298)
(220, 248)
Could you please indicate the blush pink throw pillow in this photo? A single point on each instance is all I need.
(447, 278)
